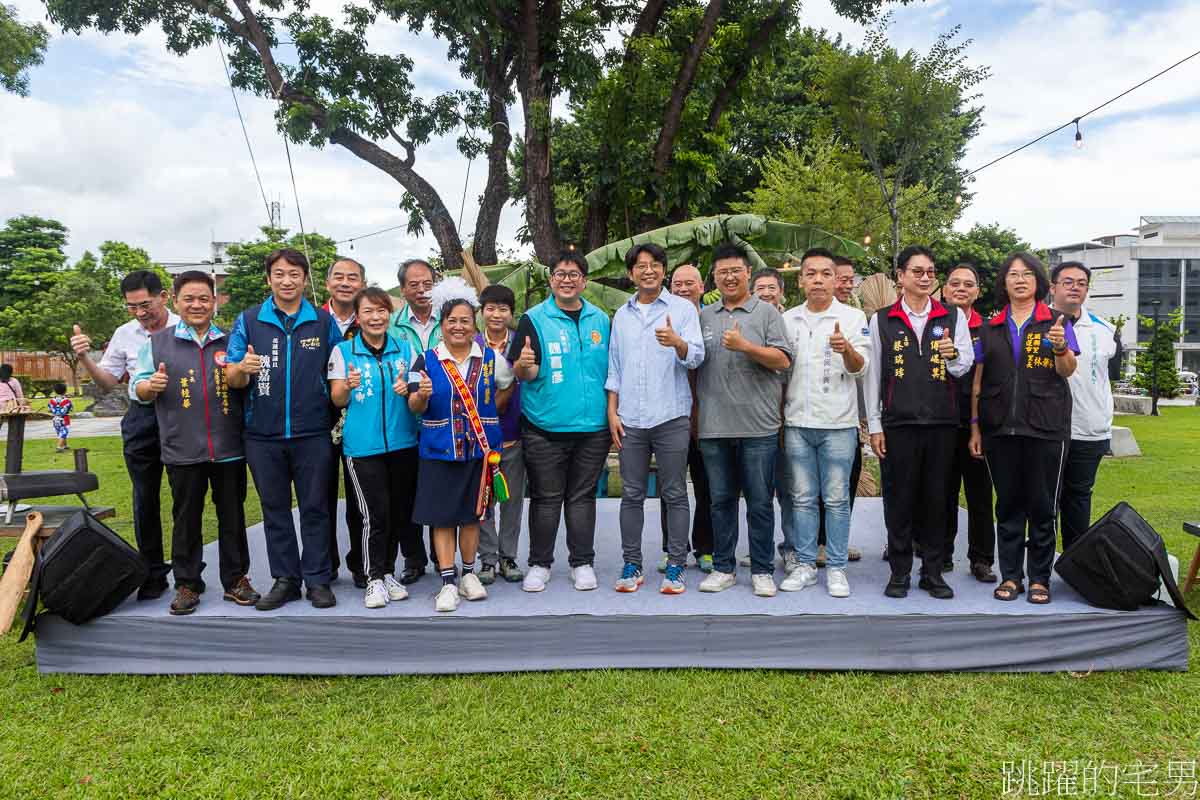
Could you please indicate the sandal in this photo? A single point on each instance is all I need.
(1008, 591)
(1038, 594)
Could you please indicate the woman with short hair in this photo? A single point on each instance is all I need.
(1021, 421)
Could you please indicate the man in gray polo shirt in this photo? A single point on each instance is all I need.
(740, 389)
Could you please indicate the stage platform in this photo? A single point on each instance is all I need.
(565, 629)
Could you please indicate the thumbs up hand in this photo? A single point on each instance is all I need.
(400, 386)
(732, 339)
(158, 381)
(425, 387)
(251, 363)
(945, 346)
(81, 343)
(526, 359)
(353, 377)
(666, 335)
(837, 342)
(1058, 335)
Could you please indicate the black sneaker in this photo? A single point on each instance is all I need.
(185, 601)
(360, 580)
(897, 586)
(983, 572)
(936, 585)
(411, 575)
(321, 596)
(152, 589)
(948, 566)
(284, 591)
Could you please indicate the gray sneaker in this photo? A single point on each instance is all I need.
(510, 571)
(487, 574)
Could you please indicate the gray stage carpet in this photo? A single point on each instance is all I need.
(565, 629)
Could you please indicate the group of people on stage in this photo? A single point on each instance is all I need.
(437, 421)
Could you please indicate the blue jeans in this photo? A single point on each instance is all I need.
(747, 467)
(783, 492)
(821, 460)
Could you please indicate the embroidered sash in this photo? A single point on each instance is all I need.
(491, 461)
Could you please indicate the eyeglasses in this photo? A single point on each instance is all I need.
(424, 286)
(922, 273)
(1021, 276)
(134, 308)
(729, 273)
(652, 266)
(1071, 283)
(567, 277)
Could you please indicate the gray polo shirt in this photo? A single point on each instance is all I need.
(738, 397)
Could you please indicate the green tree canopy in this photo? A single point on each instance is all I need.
(1155, 363)
(246, 281)
(31, 256)
(21, 47)
(984, 247)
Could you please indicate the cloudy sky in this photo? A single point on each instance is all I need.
(120, 139)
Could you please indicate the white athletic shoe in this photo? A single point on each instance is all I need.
(447, 598)
(584, 578)
(836, 583)
(790, 562)
(395, 589)
(718, 581)
(535, 579)
(470, 587)
(764, 585)
(377, 596)
(804, 575)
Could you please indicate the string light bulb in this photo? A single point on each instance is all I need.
(1078, 135)
(867, 239)
(351, 244)
(958, 199)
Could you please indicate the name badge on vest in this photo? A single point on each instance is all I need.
(938, 331)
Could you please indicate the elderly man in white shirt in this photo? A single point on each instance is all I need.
(831, 347)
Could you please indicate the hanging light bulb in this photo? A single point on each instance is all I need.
(351, 244)
(1078, 136)
(958, 199)
(867, 239)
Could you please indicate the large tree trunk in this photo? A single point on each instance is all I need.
(539, 40)
(665, 145)
(496, 191)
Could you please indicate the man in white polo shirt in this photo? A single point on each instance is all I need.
(831, 347)
(146, 302)
(1099, 362)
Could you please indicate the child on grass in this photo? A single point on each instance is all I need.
(60, 406)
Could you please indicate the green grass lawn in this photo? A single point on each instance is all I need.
(607, 733)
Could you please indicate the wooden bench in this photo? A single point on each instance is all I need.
(1194, 529)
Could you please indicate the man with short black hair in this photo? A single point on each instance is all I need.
(740, 390)
(1099, 360)
(280, 350)
(146, 302)
(344, 280)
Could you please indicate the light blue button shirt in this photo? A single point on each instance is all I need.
(651, 381)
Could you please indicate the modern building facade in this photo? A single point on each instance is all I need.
(1133, 274)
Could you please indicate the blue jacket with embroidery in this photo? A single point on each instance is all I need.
(377, 419)
(445, 432)
(568, 394)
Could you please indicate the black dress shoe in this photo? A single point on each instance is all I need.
(897, 586)
(411, 575)
(936, 585)
(321, 596)
(983, 572)
(948, 566)
(360, 580)
(152, 589)
(284, 591)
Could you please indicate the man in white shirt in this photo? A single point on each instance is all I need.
(1099, 362)
(830, 349)
(146, 302)
(912, 416)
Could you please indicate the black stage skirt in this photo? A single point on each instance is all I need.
(447, 492)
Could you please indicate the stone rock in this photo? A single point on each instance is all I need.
(1123, 444)
(1132, 404)
(108, 404)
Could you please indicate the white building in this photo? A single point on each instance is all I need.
(1161, 262)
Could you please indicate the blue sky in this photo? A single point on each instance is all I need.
(121, 139)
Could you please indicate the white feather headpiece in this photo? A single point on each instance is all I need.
(453, 288)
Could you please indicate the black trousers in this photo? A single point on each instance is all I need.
(1079, 476)
(1026, 473)
(918, 459)
(143, 460)
(354, 518)
(855, 474)
(972, 474)
(384, 487)
(189, 489)
(561, 480)
(702, 530)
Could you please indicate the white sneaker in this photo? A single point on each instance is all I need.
(447, 598)
(470, 587)
(836, 583)
(535, 579)
(718, 581)
(764, 585)
(804, 575)
(377, 596)
(395, 589)
(790, 562)
(584, 578)
(744, 561)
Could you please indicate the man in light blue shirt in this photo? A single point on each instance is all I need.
(655, 340)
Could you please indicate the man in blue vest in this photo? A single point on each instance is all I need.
(560, 354)
(280, 350)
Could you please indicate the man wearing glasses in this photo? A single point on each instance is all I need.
(1091, 396)
(655, 341)
(912, 416)
(560, 353)
(146, 302)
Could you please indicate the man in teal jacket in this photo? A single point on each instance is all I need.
(560, 353)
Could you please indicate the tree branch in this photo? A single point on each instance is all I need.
(757, 43)
(665, 145)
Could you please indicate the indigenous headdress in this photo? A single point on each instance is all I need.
(452, 288)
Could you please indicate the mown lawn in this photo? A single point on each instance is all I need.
(602, 734)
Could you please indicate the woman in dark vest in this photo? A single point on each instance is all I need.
(1021, 421)
(461, 389)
